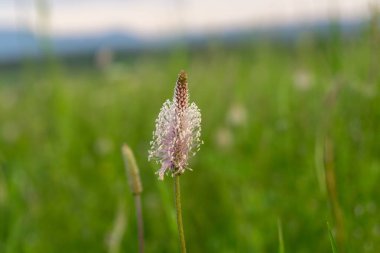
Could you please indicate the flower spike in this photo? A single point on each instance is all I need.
(178, 131)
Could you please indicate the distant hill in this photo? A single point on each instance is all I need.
(17, 44)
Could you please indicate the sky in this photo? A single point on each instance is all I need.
(157, 17)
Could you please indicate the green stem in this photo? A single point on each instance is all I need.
(140, 225)
(181, 233)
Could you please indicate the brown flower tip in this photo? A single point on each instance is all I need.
(181, 93)
(182, 76)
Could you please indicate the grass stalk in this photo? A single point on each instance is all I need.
(140, 223)
(135, 185)
(333, 195)
(181, 233)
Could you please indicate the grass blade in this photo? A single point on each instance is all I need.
(332, 239)
(281, 247)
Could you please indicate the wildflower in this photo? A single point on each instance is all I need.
(302, 80)
(237, 115)
(178, 131)
(224, 138)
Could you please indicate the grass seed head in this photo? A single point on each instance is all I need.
(132, 170)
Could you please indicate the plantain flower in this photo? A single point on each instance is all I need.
(177, 133)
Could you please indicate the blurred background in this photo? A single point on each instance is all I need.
(289, 95)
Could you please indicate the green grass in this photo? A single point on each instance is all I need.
(63, 184)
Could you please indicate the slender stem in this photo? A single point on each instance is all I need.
(181, 233)
(140, 224)
(333, 194)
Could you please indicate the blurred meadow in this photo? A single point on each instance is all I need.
(291, 133)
